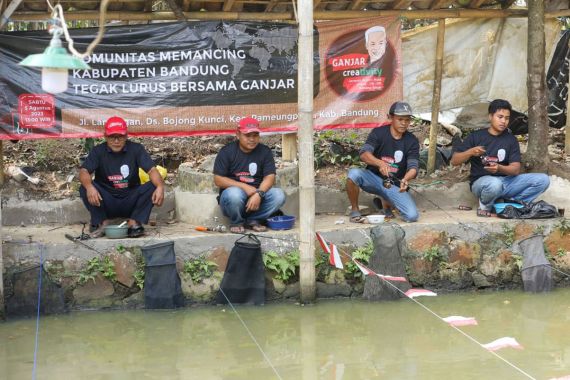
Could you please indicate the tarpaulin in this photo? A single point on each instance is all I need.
(197, 78)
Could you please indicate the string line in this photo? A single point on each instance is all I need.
(251, 336)
(36, 344)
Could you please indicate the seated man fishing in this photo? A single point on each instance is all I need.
(391, 154)
(116, 190)
(495, 158)
(244, 171)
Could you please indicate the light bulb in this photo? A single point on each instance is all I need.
(54, 80)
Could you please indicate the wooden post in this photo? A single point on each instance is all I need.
(2, 309)
(567, 129)
(289, 147)
(536, 158)
(1, 164)
(436, 96)
(306, 154)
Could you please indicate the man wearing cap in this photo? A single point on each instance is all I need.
(244, 171)
(116, 191)
(391, 155)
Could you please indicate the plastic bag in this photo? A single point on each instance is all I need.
(145, 178)
(532, 210)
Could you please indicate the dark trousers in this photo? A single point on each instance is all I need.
(137, 204)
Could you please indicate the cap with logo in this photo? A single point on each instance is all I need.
(115, 126)
(248, 125)
(401, 109)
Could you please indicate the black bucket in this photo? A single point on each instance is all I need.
(162, 289)
(244, 279)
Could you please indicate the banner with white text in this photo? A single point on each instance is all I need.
(200, 78)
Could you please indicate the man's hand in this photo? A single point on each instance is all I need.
(253, 203)
(384, 169)
(93, 196)
(477, 151)
(492, 168)
(158, 196)
(403, 185)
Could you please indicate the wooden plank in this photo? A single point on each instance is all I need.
(289, 147)
(400, 4)
(438, 4)
(271, 5)
(356, 5)
(307, 279)
(176, 9)
(281, 16)
(228, 5)
(475, 4)
(507, 4)
(436, 96)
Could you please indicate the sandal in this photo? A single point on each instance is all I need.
(465, 208)
(255, 226)
(237, 229)
(484, 213)
(356, 217)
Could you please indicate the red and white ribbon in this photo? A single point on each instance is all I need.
(331, 250)
(419, 293)
(503, 343)
(456, 320)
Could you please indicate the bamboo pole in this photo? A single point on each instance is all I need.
(289, 147)
(2, 306)
(273, 16)
(306, 154)
(567, 129)
(436, 96)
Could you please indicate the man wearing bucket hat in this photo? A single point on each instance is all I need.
(244, 170)
(116, 191)
(391, 155)
(495, 158)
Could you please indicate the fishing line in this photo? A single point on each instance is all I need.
(251, 336)
(441, 319)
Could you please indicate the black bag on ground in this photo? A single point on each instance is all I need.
(532, 210)
(244, 278)
(162, 288)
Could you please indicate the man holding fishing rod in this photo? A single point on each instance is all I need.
(495, 158)
(391, 154)
(116, 190)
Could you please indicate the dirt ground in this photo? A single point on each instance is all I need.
(56, 162)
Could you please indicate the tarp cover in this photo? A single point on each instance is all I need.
(244, 278)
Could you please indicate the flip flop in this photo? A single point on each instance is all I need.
(255, 226)
(464, 208)
(484, 213)
(356, 217)
(237, 228)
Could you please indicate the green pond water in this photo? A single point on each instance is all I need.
(336, 339)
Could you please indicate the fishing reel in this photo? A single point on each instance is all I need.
(388, 182)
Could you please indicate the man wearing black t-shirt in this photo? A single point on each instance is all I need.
(116, 191)
(391, 154)
(244, 171)
(495, 159)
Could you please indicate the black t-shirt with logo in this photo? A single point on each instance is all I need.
(118, 172)
(248, 168)
(395, 152)
(502, 149)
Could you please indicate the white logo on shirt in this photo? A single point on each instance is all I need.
(501, 155)
(252, 168)
(125, 171)
(398, 155)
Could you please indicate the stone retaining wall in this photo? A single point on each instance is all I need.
(441, 258)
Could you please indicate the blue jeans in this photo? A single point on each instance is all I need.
(371, 183)
(234, 199)
(522, 187)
